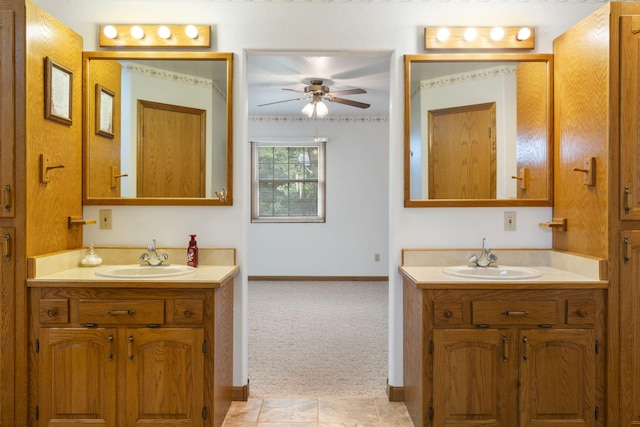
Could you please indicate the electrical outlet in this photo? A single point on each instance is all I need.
(510, 221)
(105, 219)
(376, 257)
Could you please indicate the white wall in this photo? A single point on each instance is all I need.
(357, 213)
(319, 25)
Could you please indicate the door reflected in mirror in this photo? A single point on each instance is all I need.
(169, 120)
(478, 130)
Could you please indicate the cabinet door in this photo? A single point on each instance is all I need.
(77, 371)
(629, 111)
(629, 327)
(7, 124)
(473, 378)
(7, 323)
(557, 378)
(164, 377)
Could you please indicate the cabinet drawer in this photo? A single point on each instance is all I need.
(514, 312)
(54, 311)
(188, 312)
(581, 311)
(447, 312)
(127, 312)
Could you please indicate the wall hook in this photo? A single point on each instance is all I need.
(45, 168)
(74, 221)
(559, 224)
(115, 176)
(588, 169)
(523, 178)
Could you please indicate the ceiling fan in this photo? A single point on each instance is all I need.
(316, 92)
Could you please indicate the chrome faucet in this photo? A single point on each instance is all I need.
(154, 256)
(485, 259)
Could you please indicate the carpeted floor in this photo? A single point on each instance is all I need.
(318, 339)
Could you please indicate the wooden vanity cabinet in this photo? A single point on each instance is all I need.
(129, 357)
(504, 358)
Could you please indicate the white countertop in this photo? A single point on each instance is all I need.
(425, 268)
(435, 278)
(64, 269)
(203, 276)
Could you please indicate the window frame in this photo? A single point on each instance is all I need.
(320, 217)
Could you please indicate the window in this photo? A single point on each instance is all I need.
(288, 182)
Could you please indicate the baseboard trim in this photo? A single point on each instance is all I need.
(240, 394)
(395, 394)
(320, 278)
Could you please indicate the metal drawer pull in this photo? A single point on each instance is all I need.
(448, 314)
(51, 313)
(505, 348)
(188, 314)
(583, 313)
(515, 313)
(118, 312)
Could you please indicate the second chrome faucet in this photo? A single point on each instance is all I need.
(485, 259)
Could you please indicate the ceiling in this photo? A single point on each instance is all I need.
(269, 73)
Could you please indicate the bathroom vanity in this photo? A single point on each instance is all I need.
(502, 351)
(130, 351)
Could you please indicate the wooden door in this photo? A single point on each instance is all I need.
(77, 376)
(462, 152)
(164, 377)
(629, 327)
(533, 139)
(558, 378)
(473, 378)
(629, 111)
(102, 155)
(171, 150)
(7, 116)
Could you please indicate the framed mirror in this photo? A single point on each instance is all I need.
(478, 130)
(158, 128)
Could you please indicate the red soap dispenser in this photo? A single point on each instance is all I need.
(192, 252)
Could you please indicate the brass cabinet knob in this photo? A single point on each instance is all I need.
(583, 313)
(448, 314)
(51, 313)
(187, 314)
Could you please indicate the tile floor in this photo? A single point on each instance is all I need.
(323, 412)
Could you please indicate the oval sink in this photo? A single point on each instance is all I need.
(145, 271)
(492, 273)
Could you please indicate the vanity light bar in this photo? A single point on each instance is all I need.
(152, 35)
(479, 38)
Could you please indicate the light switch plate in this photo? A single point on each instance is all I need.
(510, 221)
(105, 219)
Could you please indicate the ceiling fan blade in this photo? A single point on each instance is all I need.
(348, 102)
(348, 92)
(279, 102)
(293, 90)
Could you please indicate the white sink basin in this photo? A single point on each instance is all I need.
(145, 271)
(493, 273)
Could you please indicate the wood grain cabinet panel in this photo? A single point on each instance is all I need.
(506, 358)
(131, 357)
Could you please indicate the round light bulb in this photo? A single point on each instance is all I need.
(137, 32)
(164, 32)
(110, 32)
(191, 31)
(497, 34)
(524, 33)
(470, 34)
(443, 34)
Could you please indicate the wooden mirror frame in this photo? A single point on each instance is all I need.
(471, 57)
(88, 128)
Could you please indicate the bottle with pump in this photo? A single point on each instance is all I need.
(192, 252)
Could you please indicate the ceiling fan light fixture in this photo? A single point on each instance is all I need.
(307, 110)
(321, 109)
